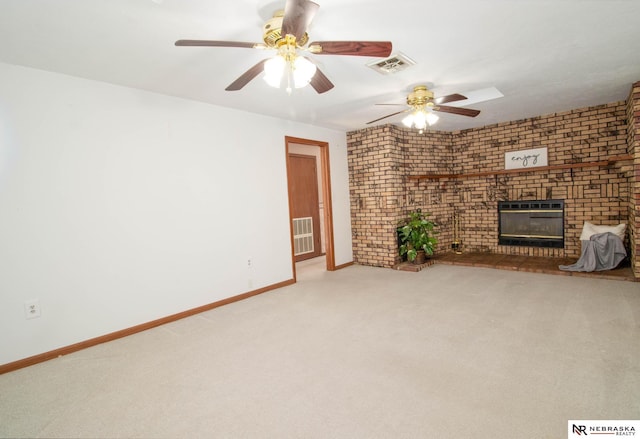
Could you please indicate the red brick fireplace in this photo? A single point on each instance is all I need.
(593, 165)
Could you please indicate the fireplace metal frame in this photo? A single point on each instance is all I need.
(535, 209)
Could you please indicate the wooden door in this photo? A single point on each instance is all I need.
(305, 209)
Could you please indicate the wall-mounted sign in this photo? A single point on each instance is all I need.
(528, 158)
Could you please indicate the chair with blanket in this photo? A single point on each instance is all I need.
(602, 248)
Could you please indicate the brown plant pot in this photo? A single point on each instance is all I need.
(421, 257)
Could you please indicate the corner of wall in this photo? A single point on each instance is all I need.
(633, 148)
(380, 160)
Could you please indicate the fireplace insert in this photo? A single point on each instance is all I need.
(537, 223)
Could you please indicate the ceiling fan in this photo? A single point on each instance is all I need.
(286, 32)
(422, 105)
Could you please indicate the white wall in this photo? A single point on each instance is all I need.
(119, 206)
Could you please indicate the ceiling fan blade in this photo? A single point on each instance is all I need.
(297, 17)
(457, 110)
(320, 82)
(209, 43)
(356, 48)
(247, 76)
(449, 98)
(388, 115)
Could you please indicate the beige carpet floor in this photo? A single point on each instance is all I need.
(449, 352)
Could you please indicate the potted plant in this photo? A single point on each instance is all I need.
(417, 237)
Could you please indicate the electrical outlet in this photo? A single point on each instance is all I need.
(32, 309)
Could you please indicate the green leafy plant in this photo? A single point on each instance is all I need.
(417, 232)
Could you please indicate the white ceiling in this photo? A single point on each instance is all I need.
(544, 56)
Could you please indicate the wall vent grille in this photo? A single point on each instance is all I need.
(302, 236)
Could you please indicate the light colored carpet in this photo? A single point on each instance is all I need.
(449, 352)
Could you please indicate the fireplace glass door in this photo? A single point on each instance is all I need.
(531, 223)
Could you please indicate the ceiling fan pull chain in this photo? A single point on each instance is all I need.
(289, 77)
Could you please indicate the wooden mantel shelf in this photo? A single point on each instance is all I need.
(609, 161)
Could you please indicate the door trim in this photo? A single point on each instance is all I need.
(326, 196)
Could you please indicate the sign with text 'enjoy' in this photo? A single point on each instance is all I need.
(528, 158)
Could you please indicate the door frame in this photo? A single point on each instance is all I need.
(326, 196)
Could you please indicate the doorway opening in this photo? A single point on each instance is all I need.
(310, 217)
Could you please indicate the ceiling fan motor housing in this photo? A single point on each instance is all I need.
(272, 31)
(420, 96)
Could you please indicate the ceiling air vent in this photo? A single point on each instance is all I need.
(394, 64)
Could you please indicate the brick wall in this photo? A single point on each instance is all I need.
(633, 143)
(598, 194)
(602, 195)
(376, 191)
(379, 160)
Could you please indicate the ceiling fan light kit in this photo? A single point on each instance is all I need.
(297, 70)
(286, 32)
(421, 102)
(419, 119)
